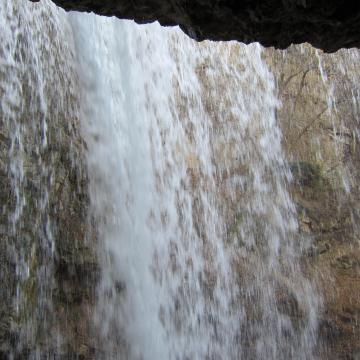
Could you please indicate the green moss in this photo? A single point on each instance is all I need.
(312, 181)
(307, 174)
(233, 229)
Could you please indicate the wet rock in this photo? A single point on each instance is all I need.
(48, 263)
(288, 304)
(319, 248)
(324, 156)
(307, 174)
(328, 25)
(346, 262)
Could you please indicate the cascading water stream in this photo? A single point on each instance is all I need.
(175, 131)
(197, 235)
(37, 96)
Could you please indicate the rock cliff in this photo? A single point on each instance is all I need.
(319, 118)
(48, 262)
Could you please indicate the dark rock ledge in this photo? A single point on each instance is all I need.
(326, 24)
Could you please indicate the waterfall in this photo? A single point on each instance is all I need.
(37, 96)
(188, 182)
(148, 193)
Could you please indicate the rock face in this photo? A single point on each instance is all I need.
(326, 24)
(318, 115)
(319, 118)
(48, 262)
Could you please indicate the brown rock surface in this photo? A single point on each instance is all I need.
(48, 262)
(319, 117)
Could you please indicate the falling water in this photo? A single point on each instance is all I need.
(37, 95)
(189, 183)
(197, 234)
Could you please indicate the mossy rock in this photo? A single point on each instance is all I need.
(307, 174)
